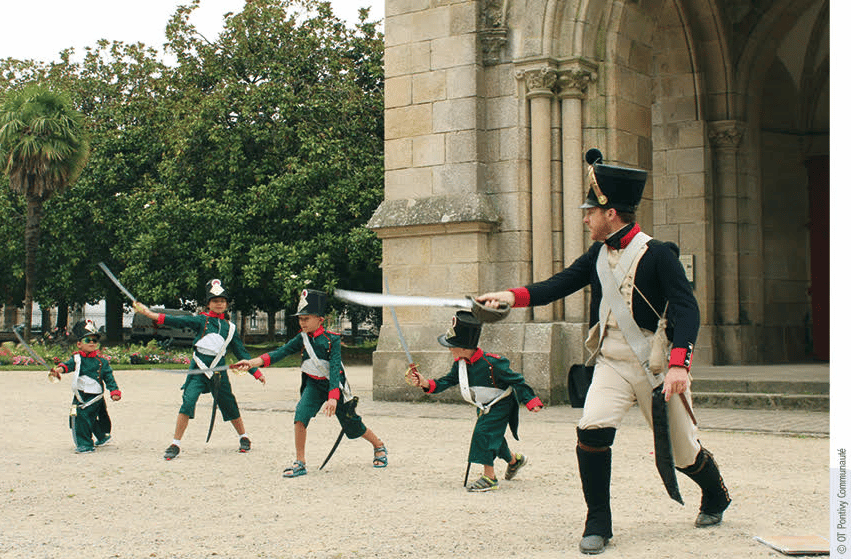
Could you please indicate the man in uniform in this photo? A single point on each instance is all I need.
(635, 282)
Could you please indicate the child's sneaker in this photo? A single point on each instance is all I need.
(171, 452)
(104, 440)
(520, 460)
(244, 444)
(482, 484)
(84, 449)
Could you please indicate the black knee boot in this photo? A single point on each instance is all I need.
(715, 499)
(594, 455)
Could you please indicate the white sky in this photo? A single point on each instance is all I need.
(62, 23)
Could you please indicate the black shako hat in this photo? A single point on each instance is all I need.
(464, 332)
(311, 302)
(215, 289)
(83, 328)
(611, 186)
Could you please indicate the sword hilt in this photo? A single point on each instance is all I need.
(409, 378)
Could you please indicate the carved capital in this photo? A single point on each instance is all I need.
(726, 134)
(492, 42)
(540, 82)
(573, 84)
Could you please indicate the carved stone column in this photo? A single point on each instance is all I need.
(573, 85)
(539, 91)
(726, 137)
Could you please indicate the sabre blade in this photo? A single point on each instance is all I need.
(382, 300)
(116, 282)
(29, 349)
(399, 328)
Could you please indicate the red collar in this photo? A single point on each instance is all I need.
(620, 239)
(92, 354)
(316, 333)
(213, 315)
(476, 356)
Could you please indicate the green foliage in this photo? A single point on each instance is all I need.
(44, 147)
(256, 158)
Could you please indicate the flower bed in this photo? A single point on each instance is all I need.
(16, 355)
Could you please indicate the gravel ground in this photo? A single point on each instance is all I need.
(125, 501)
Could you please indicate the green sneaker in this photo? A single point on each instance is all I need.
(171, 452)
(104, 440)
(520, 460)
(483, 484)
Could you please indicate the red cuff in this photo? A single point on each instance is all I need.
(266, 359)
(115, 393)
(64, 366)
(334, 394)
(431, 386)
(160, 319)
(257, 374)
(521, 297)
(680, 357)
(534, 403)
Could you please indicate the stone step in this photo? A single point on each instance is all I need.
(761, 386)
(762, 400)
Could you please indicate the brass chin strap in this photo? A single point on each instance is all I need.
(602, 198)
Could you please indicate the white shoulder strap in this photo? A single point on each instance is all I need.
(77, 362)
(464, 385)
(219, 355)
(613, 302)
(325, 366)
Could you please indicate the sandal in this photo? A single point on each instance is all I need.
(297, 469)
(379, 461)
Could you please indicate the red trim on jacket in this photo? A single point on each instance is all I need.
(316, 333)
(431, 386)
(334, 394)
(84, 354)
(533, 403)
(115, 393)
(267, 361)
(521, 297)
(476, 356)
(630, 236)
(160, 319)
(257, 374)
(214, 315)
(680, 357)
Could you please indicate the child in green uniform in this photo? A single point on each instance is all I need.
(323, 381)
(91, 371)
(487, 382)
(216, 335)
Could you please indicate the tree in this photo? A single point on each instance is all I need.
(44, 147)
(281, 129)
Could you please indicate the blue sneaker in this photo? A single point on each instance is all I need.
(84, 449)
(104, 440)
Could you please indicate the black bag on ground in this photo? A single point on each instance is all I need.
(578, 381)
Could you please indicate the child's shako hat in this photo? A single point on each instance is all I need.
(311, 302)
(463, 333)
(215, 289)
(83, 328)
(611, 186)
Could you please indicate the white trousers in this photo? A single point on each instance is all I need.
(619, 382)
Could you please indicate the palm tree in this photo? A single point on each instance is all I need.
(44, 147)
